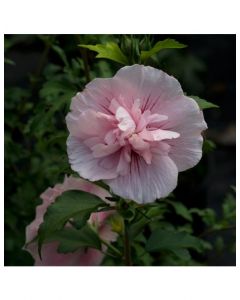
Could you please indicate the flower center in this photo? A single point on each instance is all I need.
(134, 130)
(141, 131)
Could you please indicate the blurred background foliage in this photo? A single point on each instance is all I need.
(43, 72)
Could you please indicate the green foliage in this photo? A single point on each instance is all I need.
(66, 206)
(208, 215)
(117, 223)
(9, 61)
(229, 206)
(172, 240)
(143, 258)
(181, 210)
(110, 50)
(203, 104)
(82, 217)
(227, 218)
(71, 239)
(133, 45)
(217, 225)
(160, 45)
(143, 217)
(208, 146)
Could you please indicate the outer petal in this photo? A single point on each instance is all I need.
(83, 161)
(50, 256)
(48, 197)
(186, 151)
(97, 96)
(146, 183)
(73, 183)
(186, 114)
(104, 229)
(186, 119)
(145, 83)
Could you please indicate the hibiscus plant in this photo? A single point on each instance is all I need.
(130, 132)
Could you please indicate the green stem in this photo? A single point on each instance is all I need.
(114, 249)
(127, 246)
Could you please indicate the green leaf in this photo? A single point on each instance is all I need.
(80, 220)
(110, 51)
(208, 215)
(154, 212)
(71, 239)
(53, 90)
(229, 207)
(182, 254)
(67, 206)
(197, 211)
(208, 146)
(171, 240)
(8, 61)
(180, 210)
(141, 256)
(165, 44)
(203, 104)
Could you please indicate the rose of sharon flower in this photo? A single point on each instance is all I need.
(135, 131)
(50, 256)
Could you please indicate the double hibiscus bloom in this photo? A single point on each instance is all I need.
(135, 131)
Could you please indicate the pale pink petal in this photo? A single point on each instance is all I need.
(89, 167)
(92, 141)
(145, 83)
(110, 137)
(48, 197)
(101, 150)
(74, 183)
(143, 121)
(114, 105)
(183, 115)
(97, 96)
(100, 220)
(124, 162)
(89, 123)
(146, 182)
(156, 118)
(188, 121)
(136, 111)
(186, 152)
(138, 143)
(158, 135)
(50, 256)
(126, 122)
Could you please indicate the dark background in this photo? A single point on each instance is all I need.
(207, 68)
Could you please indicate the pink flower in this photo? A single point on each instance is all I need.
(135, 131)
(50, 256)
